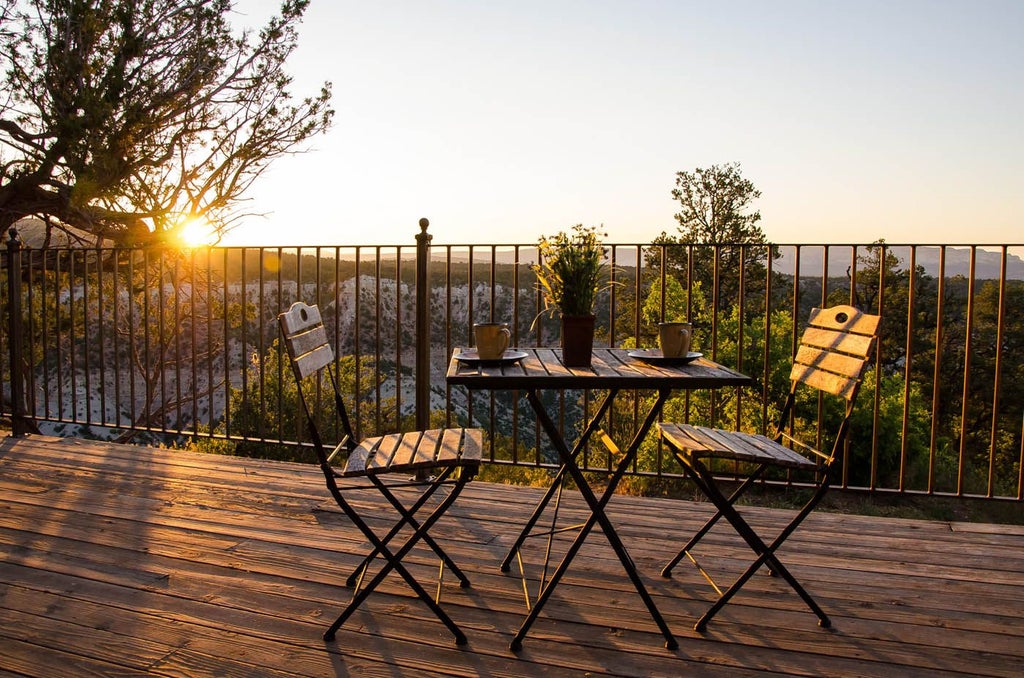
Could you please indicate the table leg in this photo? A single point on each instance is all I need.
(597, 516)
(592, 426)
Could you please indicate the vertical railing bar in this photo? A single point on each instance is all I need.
(877, 400)
(515, 338)
(997, 377)
(194, 341)
(376, 363)
(243, 338)
(227, 346)
(115, 293)
(324, 394)
(908, 371)
(795, 315)
(44, 330)
(336, 297)
(101, 333)
(690, 274)
(208, 303)
(73, 334)
(637, 292)
(146, 313)
(177, 338)
(282, 305)
(739, 332)
(398, 336)
(765, 379)
(133, 348)
(492, 395)
(966, 397)
(423, 334)
(28, 345)
(853, 302)
(470, 395)
(162, 343)
(357, 338)
(86, 341)
(16, 336)
(936, 370)
(448, 347)
(820, 434)
(261, 349)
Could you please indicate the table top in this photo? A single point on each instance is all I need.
(610, 368)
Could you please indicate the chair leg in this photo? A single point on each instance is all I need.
(393, 562)
(667, 570)
(765, 553)
(408, 518)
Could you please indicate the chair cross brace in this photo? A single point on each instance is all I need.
(702, 477)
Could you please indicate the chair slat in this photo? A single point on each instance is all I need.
(782, 454)
(473, 445)
(826, 381)
(307, 340)
(299, 316)
(311, 362)
(680, 438)
(383, 453)
(355, 465)
(839, 363)
(404, 450)
(846, 319)
(831, 340)
(448, 452)
(423, 453)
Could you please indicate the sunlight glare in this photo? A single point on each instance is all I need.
(197, 232)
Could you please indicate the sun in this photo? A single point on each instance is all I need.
(197, 232)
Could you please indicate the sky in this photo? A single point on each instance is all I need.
(504, 121)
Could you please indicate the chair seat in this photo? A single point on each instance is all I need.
(701, 441)
(415, 450)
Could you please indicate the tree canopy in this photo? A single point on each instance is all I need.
(713, 206)
(125, 118)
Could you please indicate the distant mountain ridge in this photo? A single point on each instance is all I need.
(987, 264)
(958, 259)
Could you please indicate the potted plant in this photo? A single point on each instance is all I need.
(571, 271)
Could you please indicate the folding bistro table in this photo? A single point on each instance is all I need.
(612, 370)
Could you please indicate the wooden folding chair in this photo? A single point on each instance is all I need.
(831, 358)
(446, 457)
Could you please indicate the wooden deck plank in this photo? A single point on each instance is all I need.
(226, 566)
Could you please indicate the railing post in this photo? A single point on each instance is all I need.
(422, 327)
(19, 422)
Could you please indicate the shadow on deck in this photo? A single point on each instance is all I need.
(119, 559)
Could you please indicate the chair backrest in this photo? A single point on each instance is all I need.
(306, 341)
(834, 350)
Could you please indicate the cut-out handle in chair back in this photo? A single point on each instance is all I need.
(834, 350)
(452, 455)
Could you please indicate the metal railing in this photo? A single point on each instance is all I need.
(170, 345)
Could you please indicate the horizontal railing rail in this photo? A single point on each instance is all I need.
(180, 347)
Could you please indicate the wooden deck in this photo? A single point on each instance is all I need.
(127, 560)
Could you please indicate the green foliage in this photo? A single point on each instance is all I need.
(269, 406)
(124, 117)
(713, 206)
(571, 270)
(715, 210)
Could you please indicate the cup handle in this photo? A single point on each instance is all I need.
(506, 338)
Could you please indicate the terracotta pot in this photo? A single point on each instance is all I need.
(577, 340)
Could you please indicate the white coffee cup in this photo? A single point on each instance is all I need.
(491, 339)
(674, 339)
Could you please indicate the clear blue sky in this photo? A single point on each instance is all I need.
(500, 121)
